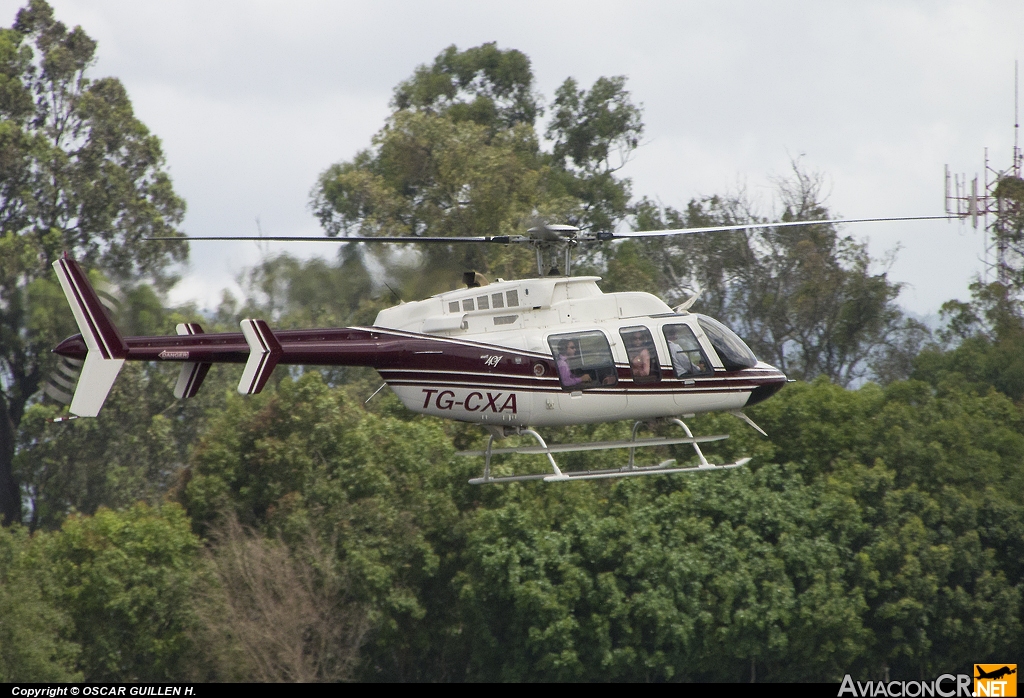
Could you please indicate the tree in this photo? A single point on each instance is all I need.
(126, 580)
(1008, 230)
(982, 341)
(274, 615)
(460, 156)
(981, 344)
(484, 84)
(33, 644)
(594, 134)
(805, 299)
(878, 529)
(307, 460)
(80, 174)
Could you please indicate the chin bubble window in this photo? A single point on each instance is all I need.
(584, 360)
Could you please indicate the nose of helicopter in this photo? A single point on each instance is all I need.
(770, 382)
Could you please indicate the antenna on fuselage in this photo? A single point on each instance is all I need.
(397, 297)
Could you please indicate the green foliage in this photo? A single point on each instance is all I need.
(125, 580)
(136, 448)
(1008, 232)
(134, 451)
(984, 343)
(594, 133)
(459, 156)
(633, 582)
(308, 458)
(878, 528)
(483, 84)
(32, 629)
(417, 181)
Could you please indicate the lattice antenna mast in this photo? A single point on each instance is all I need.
(1016, 120)
(979, 200)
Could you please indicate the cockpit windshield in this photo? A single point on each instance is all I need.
(735, 355)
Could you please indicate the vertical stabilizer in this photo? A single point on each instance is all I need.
(106, 348)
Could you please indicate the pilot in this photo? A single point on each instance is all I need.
(681, 363)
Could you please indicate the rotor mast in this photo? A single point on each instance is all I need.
(554, 238)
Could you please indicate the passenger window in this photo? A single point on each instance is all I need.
(513, 298)
(584, 360)
(497, 300)
(685, 352)
(481, 303)
(643, 357)
(453, 307)
(467, 304)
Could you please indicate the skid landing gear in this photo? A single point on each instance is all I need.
(629, 470)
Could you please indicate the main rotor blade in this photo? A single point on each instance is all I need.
(585, 237)
(500, 239)
(746, 226)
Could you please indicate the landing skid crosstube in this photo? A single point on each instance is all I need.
(629, 470)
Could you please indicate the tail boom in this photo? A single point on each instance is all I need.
(344, 346)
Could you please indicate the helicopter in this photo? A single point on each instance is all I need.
(510, 356)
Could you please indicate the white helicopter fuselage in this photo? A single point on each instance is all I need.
(498, 354)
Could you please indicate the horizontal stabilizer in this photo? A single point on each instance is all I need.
(192, 374)
(596, 446)
(106, 349)
(264, 353)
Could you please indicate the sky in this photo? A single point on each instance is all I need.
(253, 100)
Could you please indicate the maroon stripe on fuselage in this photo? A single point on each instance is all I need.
(734, 382)
(407, 358)
(665, 389)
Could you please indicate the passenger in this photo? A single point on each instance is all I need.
(640, 360)
(566, 352)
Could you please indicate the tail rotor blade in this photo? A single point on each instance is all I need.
(57, 394)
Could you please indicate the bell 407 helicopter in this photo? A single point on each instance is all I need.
(509, 356)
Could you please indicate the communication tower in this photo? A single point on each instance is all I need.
(997, 200)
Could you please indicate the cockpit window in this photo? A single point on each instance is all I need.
(683, 349)
(735, 355)
(584, 360)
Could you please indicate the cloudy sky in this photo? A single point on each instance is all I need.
(254, 99)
